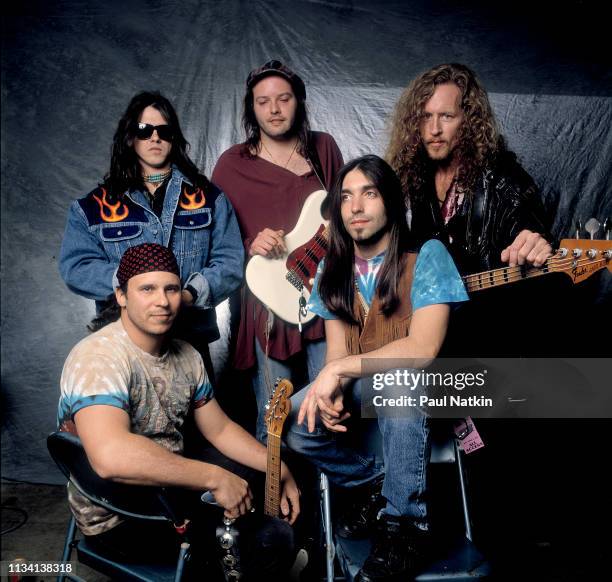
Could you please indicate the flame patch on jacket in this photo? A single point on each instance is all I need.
(109, 212)
(93, 205)
(192, 201)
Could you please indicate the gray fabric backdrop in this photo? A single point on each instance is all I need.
(70, 67)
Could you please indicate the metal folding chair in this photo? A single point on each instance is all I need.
(136, 502)
(458, 560)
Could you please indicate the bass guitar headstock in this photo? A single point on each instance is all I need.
(580, 258)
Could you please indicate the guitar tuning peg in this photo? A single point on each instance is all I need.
(607, 226)
(578, 227)
(592, 227)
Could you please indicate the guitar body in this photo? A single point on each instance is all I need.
(283, 285)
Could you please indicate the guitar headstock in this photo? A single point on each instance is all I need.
(580, 258)
(279, 406)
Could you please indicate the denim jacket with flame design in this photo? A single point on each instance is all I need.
(200, 228)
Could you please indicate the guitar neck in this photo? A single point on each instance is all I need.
(502, 276)
(577, 258)
(273, 474)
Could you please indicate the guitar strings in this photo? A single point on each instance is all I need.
(490, 278)
(300, 263)
(517, 273)
(556, 262)
(548, 267)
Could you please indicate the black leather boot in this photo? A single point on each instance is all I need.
(398, 551)
(360, 510)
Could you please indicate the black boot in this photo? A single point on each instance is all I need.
(360, 510)
(398, 551)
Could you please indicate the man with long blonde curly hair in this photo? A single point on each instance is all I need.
(462, 184)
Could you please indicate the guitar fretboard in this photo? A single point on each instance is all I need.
(273, 474)
(591, 256)
(502, 276)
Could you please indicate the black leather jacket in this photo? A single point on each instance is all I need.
(504, 202)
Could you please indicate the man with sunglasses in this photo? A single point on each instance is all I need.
(153, 192)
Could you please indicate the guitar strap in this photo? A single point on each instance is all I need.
(312, 156)
(475, 223)
(268, 330)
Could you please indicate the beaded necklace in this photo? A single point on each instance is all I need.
(156, 178)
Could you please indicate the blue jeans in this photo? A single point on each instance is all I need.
(405, 450)
(315, 359)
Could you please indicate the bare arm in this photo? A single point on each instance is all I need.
(427, 330)
(230, 438)
(237, 444)
(335, 332)
(116, 453)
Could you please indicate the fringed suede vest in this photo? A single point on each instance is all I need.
(377, 330)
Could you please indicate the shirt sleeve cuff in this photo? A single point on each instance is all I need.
(200, 284)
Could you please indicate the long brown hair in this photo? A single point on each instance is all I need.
(479, 139)
(300, 128)
(336, 285)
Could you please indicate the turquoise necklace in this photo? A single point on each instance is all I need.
(156, 178)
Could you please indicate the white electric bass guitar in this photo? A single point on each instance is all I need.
(284, 285)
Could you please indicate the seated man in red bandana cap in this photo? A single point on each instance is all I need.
(126, 390)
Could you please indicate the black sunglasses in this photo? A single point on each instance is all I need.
(145, 131)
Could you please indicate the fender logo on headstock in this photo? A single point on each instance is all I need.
(577, 273)
(577, 258)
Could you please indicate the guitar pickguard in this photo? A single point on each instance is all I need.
(284, 285)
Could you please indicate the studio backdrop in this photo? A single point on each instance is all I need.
(70, 67)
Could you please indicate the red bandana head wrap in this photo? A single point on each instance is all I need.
(145, 258)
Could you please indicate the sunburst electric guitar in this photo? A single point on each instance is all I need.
(284, 285)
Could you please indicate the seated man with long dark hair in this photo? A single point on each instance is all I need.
(380, 300)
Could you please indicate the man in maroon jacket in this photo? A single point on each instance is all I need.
(267, 178)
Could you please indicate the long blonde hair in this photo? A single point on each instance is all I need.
(479, 139)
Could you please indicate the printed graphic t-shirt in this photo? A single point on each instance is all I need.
(107, 368)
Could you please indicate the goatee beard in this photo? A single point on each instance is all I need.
(372, 240)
